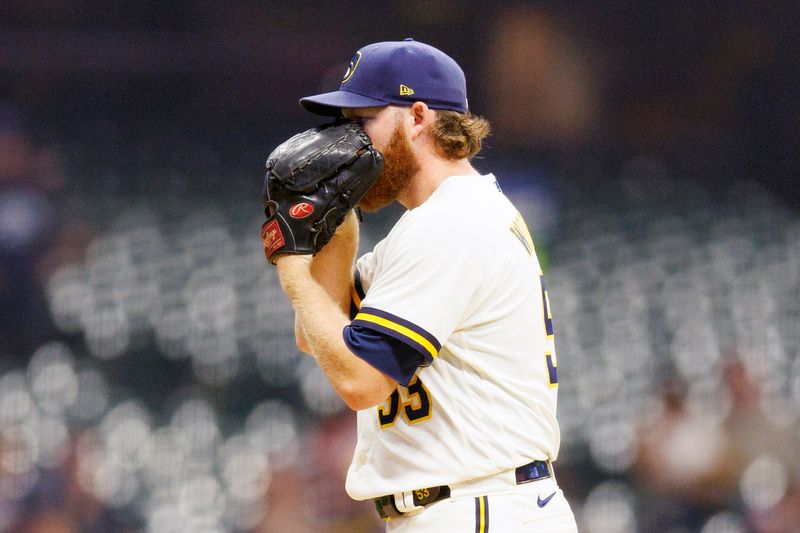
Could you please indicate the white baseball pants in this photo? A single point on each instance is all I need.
(535, 507)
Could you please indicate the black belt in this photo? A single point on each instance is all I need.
(387, 506)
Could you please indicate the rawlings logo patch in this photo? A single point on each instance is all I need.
(301, 210)
(271, 237)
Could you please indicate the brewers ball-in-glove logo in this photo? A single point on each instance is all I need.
(313, 180)
(352, 68)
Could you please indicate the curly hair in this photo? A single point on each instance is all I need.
(459, 135)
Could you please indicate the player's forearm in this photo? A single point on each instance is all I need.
(354, 380)
(332, 267)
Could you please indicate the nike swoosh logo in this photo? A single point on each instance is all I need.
(541, 503)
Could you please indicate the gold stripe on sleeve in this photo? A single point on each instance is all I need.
(356, 297)
(411, 334)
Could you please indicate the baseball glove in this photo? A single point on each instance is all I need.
(313, 180)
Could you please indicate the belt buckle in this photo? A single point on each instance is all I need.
(409, 502)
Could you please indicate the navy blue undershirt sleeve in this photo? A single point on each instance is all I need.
(394, 358)
(359, 293)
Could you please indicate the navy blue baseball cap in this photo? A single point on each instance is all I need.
(395, 72)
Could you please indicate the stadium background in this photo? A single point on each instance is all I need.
(148, 377)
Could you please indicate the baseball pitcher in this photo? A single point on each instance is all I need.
(441, 338)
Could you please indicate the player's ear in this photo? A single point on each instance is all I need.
(422, 115)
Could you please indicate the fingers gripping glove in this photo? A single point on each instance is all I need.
(313, 180)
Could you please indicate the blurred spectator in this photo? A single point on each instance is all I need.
(58, 504)
(767, 468)
(310, 496)
(679, 458)
(689, 467)
(33, 238)
(748, 427)
(26, 228)
(332, 444)
(544, 91)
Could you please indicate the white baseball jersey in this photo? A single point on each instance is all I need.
(457, 281)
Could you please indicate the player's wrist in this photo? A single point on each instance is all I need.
(347, 230)
(292, 270)
(292, 262)
(294, 273)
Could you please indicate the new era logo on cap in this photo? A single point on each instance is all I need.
(395, 72)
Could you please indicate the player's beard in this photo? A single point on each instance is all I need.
(399, 167)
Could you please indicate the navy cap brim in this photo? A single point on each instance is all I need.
(331, 104)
